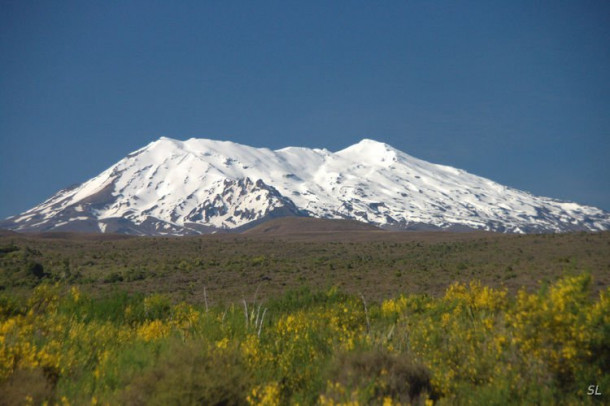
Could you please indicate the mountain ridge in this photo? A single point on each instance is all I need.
(173, 187)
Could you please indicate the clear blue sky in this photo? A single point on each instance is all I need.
(518, 92)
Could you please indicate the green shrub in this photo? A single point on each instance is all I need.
(192, 373)
(27, 386)
(373, 375)
(113, 277)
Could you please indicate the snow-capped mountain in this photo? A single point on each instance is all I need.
(201, 185)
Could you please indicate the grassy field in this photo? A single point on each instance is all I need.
(333, 317)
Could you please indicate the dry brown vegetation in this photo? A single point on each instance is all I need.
(271, 261)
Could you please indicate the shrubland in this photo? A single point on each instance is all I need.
(472, 344)
(230, 267)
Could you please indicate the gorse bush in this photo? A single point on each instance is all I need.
(190, 373)
(377, 375)
(474, 345)
(26, 386)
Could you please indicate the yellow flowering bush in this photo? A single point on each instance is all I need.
(153, 330)
(265, 395)
(556, 328)
(474, 344)
(393, 307)
(476, 296)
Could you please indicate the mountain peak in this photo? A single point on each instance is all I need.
(201, 185)
(165, 142)
(168, 140)
(370, 151)
(369, 141)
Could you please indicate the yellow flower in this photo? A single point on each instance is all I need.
(153, 330)
(75, 293)
(222, 344)
(265, 395)
(393, 307)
